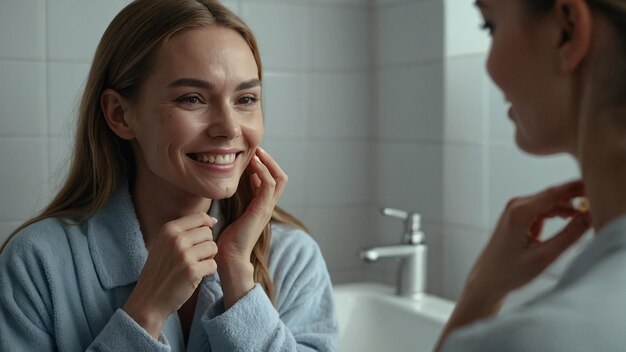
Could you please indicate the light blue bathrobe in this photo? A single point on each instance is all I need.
(585, 312)
(62, 288)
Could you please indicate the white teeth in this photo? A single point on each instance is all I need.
(219, 159)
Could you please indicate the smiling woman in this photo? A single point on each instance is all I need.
(127, 257)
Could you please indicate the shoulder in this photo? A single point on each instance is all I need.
(290, 243)
(294, 252)
(284, 235)
(513, 331)
(47, 235)
(38, 249)
(556, 321)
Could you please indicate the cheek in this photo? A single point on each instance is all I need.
(253, 132)
(494, 67)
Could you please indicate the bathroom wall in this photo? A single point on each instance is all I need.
(318, 107)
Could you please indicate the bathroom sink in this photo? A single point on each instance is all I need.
(372, 318)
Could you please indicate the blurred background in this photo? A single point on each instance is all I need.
(367, 104)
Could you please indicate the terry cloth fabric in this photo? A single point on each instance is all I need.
(584, 312)
(62, 287)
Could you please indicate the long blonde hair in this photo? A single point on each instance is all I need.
(125, 56)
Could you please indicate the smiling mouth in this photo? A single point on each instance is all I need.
(216, 159)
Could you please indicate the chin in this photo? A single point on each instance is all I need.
(538, 149)
(222, 193)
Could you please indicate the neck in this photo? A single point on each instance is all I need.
(158, 202)
(602, 157)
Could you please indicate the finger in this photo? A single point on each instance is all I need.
(267, 183)
(208, 267)
(204, 250)
(279, 175)
(537, 226)
(198, 235)
(255, 183)
(573, 231)
(191, 221)
(527, 209)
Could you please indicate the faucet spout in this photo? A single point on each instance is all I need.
(374, 253)
(411, 271)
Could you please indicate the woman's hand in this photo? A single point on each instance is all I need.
(236, 242)
(515, 253)
(179, 258)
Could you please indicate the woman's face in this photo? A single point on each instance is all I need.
(522, 64)
(198, 118)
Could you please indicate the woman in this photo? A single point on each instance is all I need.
(561, 65)
(126, 258)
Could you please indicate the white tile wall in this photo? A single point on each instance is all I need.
(410, 103)
(464, 190)
(286, 105)
(409, 177)
(341, 232)
(23, 177)
(283, 32)
(336, 41)
(23, 98)
(66, 82)
(74, 27)
(465, 94)
(24, 35)
(409, 32)
(342, 105)
(461, 247)
(338, 173)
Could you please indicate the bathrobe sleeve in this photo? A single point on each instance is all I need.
(303, 318)
(36, 299)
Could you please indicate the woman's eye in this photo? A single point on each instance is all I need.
(190, 99)
(247, 100)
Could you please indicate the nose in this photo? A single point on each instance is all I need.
(223, 123)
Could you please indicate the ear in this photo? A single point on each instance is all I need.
(575, 21)
(116, 111)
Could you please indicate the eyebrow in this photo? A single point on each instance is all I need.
(198, 83)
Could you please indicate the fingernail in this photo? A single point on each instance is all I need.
(214, 219)
(262, 150)
(256, 158)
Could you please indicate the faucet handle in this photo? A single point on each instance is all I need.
(412, 223)
(395, 213)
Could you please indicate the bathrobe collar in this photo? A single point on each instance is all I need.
(610, 239)
(116, 242)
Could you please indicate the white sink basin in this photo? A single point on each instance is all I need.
(372, 318)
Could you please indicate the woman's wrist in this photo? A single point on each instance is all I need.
(149, 319)
(237, 278)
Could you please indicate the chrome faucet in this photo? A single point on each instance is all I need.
(411, 281)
